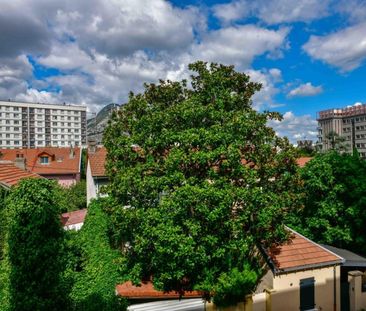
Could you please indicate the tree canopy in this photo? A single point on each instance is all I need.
(334, 201)
(35, 246)
(198, 182)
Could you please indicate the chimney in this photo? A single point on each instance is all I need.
(92, 146)
(72, 152)
(20, 162)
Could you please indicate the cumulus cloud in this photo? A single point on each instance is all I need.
(306, 89)
(101, 50)
(345, 49)
(295, 127)
(272, 12)
(268, 79)
(239, 44)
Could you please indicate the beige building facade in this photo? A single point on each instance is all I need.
(348, 123)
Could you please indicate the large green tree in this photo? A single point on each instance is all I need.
(334, 207)
(198, 182)
(35, 247)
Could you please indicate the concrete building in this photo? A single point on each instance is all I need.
(31, 125)
(348, 123)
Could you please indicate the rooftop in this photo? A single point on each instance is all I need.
(97, 162)
(75, 217)
(357, 109)
(302, 161)
(10, 174)
(147, 291)
(351, 259)
(300, 253)
(60, 160)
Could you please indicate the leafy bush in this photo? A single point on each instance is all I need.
(35, 243)
(73, 197)
(94, 288)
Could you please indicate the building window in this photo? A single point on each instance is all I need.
(44, 160)
(15, 108)
(16, 129)
(16, 142)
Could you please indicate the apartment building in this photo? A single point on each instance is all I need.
(348, 123)
(32, 125)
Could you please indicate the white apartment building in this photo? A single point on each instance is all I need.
(32, 125)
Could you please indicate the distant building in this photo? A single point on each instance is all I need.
(347, 123)
(73, 220)
(32, 125)
(61, 164)
(96, 176)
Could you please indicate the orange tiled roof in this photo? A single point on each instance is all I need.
(60, 161)
(10, 175)
(72, 218)
(302, 161)
(147, 291)
(97, 162)
(301, 253)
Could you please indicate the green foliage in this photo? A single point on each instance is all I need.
(229, 285)
(334, 201)
(84, 161)
(205, 181)
(94, 287)
(35, 242)
(3, 220)
(73, 197)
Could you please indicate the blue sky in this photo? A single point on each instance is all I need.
(308, 54)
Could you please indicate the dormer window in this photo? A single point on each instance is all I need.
(44, 160)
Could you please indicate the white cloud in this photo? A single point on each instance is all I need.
(306, 89)
(268, 79)
(345, 49)
(239, 44)
(273, 12)
(295, 127)
(104, 49)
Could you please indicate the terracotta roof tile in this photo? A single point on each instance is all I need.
(302, 161)
(72, 218)
(147, 291)
(60, 162)
(97, 162)
(10, 175)
(299, 253)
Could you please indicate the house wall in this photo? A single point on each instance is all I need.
(91, 189)
(74, 226)
(357, 297)
(65, 180)
(286, 289)
(285, 294)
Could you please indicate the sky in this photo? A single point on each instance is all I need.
(309, 55)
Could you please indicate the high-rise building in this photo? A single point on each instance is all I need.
(31, 125)
(348, 124)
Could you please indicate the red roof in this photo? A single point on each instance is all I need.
(147, 291)
(302, 161)
(61, 160)
(10, 175)
(97, 162)
(72, 218)
(300, 253)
